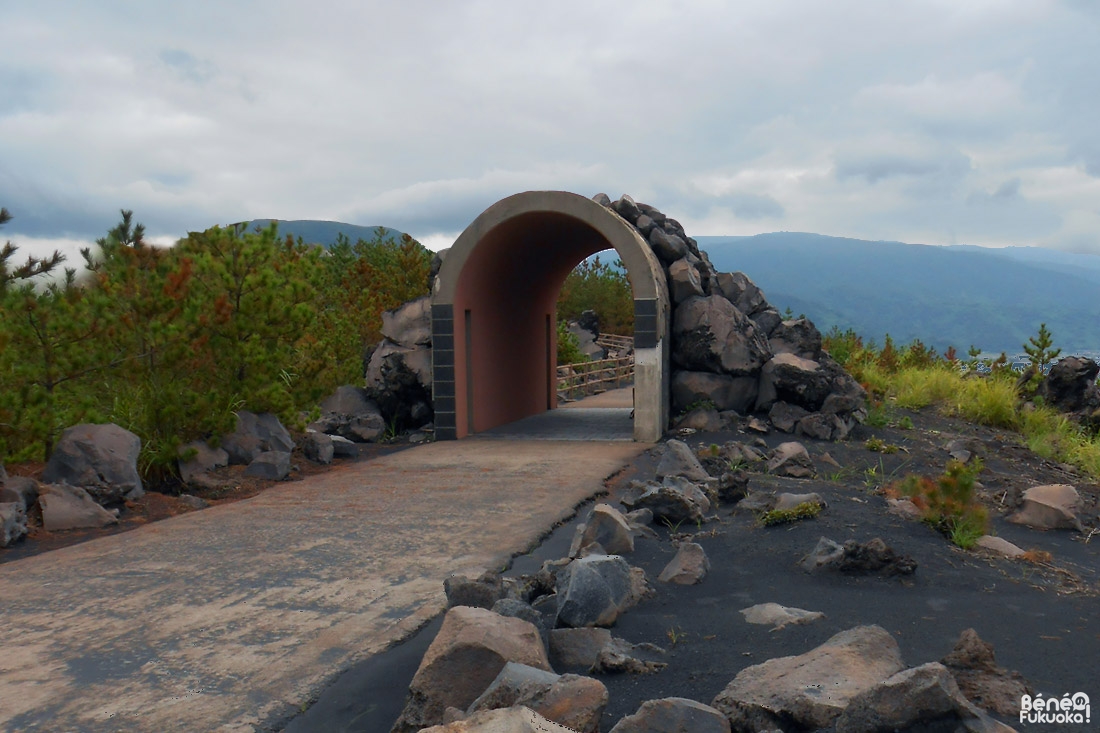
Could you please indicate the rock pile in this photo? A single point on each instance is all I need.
(399, 372)
(91, 473)
(538, 658)
(732, 349)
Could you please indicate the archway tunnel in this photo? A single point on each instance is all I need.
(493, 313)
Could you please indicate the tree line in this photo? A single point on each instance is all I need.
(169, 342)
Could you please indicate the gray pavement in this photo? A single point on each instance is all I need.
(606, 416)
(236, 616)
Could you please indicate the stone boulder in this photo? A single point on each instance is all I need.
(13, 523)
(926, 696)
(20, 490)
(197, 458)
(709, 334)
(982, 681)
(799, 337)
(856, 558)
(343, 448)
(399, 381)
(786, 501)
(483, 592)
(678, 459)
(570, 700)
(674, 500)
(577, 648)
(318, 448)
(1049, 507)
(777, 616)
(701, 419)
(791, 459)
(351, 414)
(668, 247)
(999, 546)
(506, 720)
(816, 386)
(674, 715)
(256, 434)
(1070, 385)
(101, 459)
(515, 608)
(738, 289)
(683, 281)
(793, 379)
(270, 465)
(409, 325)
(71, 507)
(607, 527)
(766, 320)
(594, 591)
(726, 392)
(470, 650)
(811, 690)
(586, 341)
(688, 567)
(785, 417)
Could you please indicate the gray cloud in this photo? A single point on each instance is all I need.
(913, 122)
(753, 206)
(874, 166)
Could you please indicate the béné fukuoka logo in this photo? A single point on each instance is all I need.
(1065, 709)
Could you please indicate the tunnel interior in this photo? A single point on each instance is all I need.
(494, 314)
(505, 324)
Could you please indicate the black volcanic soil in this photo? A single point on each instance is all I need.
(1039, 616)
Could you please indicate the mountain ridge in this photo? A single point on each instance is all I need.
(945, 296)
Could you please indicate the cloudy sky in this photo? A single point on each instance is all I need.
(922, 121)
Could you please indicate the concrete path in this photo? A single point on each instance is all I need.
(605, 416)
(233, 617)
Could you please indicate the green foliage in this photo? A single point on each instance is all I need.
(171, 342)
(947, 503)
(878, 445)
(842, 345)
(605, 289)
(705, 404)
(805, 510)
(569, 348)
(1038, 349)
(32, 268)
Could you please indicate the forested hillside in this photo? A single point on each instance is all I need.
(941, 295)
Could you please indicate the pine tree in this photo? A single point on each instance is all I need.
(33, 267)
(1038, 349)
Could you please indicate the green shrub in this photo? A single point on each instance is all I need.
(806, 510)
(947, 503)
(569, 348)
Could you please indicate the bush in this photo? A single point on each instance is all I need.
(569, 348)
(947, 503)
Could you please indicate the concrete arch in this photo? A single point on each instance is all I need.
(493, 312)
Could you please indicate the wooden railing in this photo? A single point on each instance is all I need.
(593, 377)
(614, 342)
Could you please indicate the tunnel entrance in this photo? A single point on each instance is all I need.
(494, 328)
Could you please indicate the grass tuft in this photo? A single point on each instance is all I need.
(806, 510)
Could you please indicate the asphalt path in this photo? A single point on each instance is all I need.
(235, 617)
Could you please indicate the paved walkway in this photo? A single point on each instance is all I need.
(606, 416)
(224, 619)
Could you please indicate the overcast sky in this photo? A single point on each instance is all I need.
(954, 121)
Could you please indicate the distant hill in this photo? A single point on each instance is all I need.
(992, 298)
(324, 233)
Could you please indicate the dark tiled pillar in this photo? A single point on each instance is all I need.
(443, 371)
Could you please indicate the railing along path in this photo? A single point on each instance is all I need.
(592, 377)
